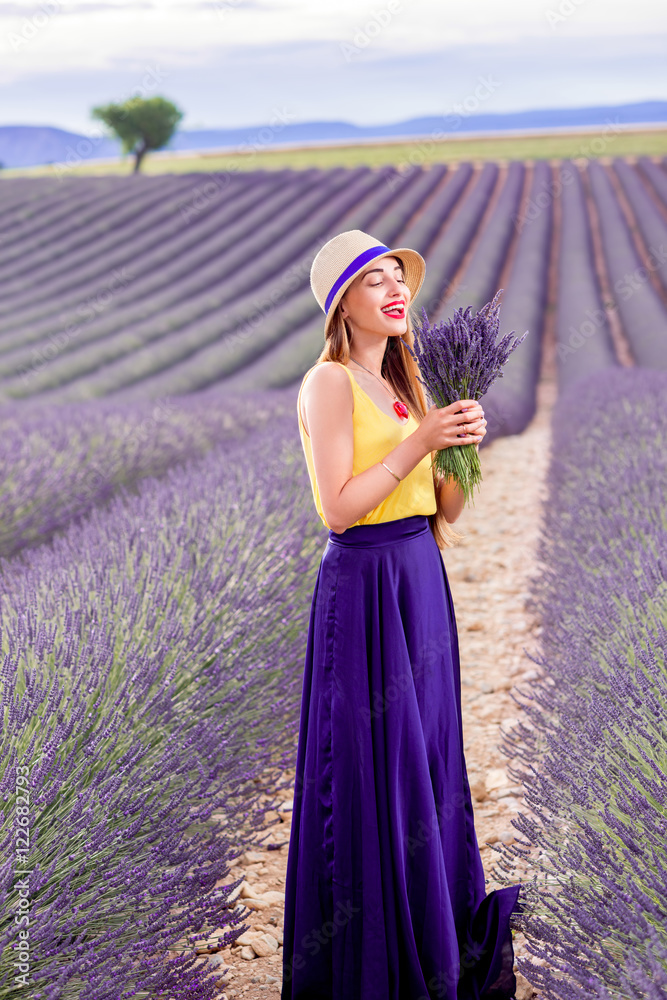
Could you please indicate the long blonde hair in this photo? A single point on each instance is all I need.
(401, 371)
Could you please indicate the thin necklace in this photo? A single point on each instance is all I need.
(399, 406)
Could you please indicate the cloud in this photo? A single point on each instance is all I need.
(61, 7)
(226, 61)
(243, 85)
(82, 8)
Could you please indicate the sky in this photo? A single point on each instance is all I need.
(229, 63)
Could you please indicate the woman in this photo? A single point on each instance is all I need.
(384, 895)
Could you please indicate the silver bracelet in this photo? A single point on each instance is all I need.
(389, 470)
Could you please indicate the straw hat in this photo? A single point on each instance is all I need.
(344, 257)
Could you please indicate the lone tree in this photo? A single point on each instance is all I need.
(140, 124)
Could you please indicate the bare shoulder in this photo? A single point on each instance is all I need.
(328, 378)
(328, 373)
(327, 386)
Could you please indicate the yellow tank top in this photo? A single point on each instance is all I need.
(375, 435)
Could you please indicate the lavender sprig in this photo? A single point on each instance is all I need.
(459, 358)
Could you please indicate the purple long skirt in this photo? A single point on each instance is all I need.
(385, 894)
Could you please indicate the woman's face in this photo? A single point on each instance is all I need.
(378, 299)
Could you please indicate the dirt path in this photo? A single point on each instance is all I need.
(488, 573)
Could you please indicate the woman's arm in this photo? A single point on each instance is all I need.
(328, 401)
(451, 496)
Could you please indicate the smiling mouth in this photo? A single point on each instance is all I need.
(395, 310)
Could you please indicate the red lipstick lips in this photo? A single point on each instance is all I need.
(398, 307)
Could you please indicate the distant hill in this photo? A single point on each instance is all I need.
(31, 145)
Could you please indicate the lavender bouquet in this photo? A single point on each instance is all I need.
(459, 358)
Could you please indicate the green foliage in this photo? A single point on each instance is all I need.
(140, 124)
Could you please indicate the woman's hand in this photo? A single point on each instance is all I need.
(462, 422)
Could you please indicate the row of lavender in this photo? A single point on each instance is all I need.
(159, 286)
(150, 656)
(58, 462)
(592, 751)
(185, 285)
(623, 283)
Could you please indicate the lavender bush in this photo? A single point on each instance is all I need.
(655, 174)
(584, 343)
(483, 269)
(463, 203)
(151, 656)
(459, 359)
(651, 224)
(510, 404)
(641, 308)
(592, 753)
(59, 461)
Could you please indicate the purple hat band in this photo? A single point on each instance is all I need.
(352, 268)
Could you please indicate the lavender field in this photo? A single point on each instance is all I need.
(159, 544)
(593, 755)
(145, 287)
(151, 653)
